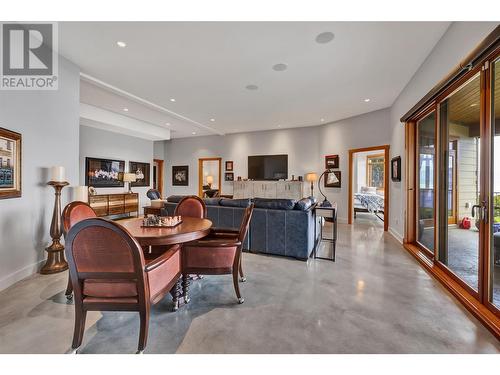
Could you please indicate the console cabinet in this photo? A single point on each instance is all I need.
(114, 204)
(268, 189)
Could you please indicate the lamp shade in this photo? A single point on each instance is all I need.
(129, 177)
(210, 179)
(311, 177)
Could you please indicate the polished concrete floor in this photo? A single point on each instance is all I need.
(374, 299)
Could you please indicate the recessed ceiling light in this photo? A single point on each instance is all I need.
(473, 104)
(322, 120)
(367, 100)
(251, 87)
(125, 109)
(325, 37)
(280, 67)
(279, 126)
(172, 99)
(212, 119)
(193, 133)
(121, 44)
(167, 123)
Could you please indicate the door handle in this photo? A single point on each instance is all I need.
(474, 209)
(483, 211)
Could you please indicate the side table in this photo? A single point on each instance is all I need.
(327, 213)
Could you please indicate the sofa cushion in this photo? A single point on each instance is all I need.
(175, 198)
(212, 201)
(303, 204)
(235, 202)
(313, 199)
(274, 204)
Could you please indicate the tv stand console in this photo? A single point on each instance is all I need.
(268, 189)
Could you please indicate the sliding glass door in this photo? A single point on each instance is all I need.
(493, 292)
(426, 152)
(460, 124)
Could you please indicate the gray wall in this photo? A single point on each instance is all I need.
(306, 148)
(103, 144)
(48, 122)
(456, 43)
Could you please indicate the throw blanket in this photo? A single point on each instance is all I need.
(372, 202)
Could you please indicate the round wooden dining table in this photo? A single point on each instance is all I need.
(190, 229)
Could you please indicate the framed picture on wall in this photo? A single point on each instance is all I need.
(104, 173)
(180, 175)
(229, 166)
(396, 169)
(229, 176)
(142, 172)
(331, 161)
(333, 179)
(10, 164)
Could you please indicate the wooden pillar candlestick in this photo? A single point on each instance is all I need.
(55, 260)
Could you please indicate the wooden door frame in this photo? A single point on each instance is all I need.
(353, 151)
(159, 172)
(200, 174)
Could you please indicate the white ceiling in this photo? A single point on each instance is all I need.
(205, 66)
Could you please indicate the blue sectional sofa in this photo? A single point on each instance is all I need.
(278, 226)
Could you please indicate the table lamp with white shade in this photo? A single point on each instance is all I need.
(129, 177)
(210, 181)
(311, 177)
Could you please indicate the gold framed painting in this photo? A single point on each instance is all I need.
(10, 164)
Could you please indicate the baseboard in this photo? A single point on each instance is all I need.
(395, 234)
(20, 274)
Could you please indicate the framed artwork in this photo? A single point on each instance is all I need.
(396, 168)
(331, 161)
(10, 164)
(229, 166)
(229, 176)
(180, 175)
(333, 179)
(104, 173)
(141, 171)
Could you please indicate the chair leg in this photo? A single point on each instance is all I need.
(80, 317)
(143, 333)
(237, 285)
(185, 287)
(242, 276)
(175, 292)
(69, 290)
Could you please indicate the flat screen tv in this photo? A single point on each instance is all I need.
(268, 167)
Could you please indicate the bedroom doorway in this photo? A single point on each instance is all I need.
(369, 186)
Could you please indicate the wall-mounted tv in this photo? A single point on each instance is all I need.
(268, 167)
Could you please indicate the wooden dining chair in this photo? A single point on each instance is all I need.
(191, 206)
(109, 273)
(217, 254)
(73, 213)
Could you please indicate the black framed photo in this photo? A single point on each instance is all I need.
(104, 173)
(229, 166)
(142, 172)
(396, 169)
(180, 175)
(331, 161)
(333, 179)
(229, 176)
(10, 164)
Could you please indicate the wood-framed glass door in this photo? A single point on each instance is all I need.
(464, 151)
(425, 181)
(491, 292)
